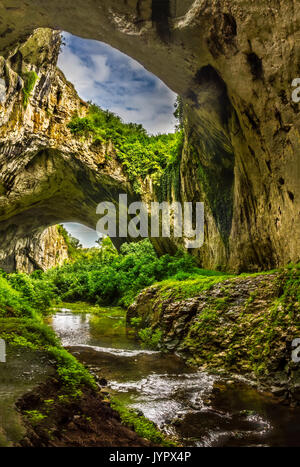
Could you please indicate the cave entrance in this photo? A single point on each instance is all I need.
(85, 236)
(116, 82)
(73, 173)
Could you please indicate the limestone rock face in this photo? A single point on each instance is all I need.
(232, 61)
(43, 251)
(47, 176)
(231, 325)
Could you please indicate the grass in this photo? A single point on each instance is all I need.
(256, 340)
(26, 332)
(141, 425)
(189, 288)
(30, 78)
(97, 310)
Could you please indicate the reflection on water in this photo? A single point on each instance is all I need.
(198, 408)
(23, 370)
(106, 329)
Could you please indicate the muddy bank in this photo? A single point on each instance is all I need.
(23, 370)
(87, 421)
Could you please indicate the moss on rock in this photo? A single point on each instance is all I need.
(243, 324)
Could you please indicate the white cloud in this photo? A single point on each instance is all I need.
(86, 235)
(100, 68)
(77, 72)
(118, 83)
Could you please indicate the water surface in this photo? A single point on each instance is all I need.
(24, 369)
(197, 408)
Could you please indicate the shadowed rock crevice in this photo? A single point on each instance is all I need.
(160, 16)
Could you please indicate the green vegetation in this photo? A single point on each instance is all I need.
(183, 286)
(35, 417)
(72, 243)
(249, 339)
(22, 313)
(135, 322)
(24, 332)
(141, 425)
(30, 78)
(97, 310)
(37, 291)
(11, 301)
(151, 339)
(140, 153)
(103, 276)
(72, 374)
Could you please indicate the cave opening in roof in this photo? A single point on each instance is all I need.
(118, 83)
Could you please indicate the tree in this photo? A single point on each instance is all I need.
(178, 113)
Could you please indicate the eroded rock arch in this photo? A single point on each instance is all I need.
(233, 63)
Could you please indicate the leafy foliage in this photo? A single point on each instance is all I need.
(30, 78)
(141, 425)
(103, 276)
(73, 244)
(12, 302)
(140, 153)
(37, 292)
(150, 338)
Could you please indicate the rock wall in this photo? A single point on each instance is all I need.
(46, 176)
(243, 325)
(43, 250)
(233, 62)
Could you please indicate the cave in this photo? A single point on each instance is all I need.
(231, 137)
(152, 343)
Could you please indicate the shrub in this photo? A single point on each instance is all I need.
(150, 339)
(105, 277)
(12, 302)
(140, 153)
(30, 79)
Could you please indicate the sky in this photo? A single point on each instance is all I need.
(86, 236)
(116, 82)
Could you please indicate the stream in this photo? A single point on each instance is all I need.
(194, 407)
(22, 372)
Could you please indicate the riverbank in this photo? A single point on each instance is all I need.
(54, 419)
(72, 388)
(243, 325)
(67, 409)
(195, 408)
(239, 325)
